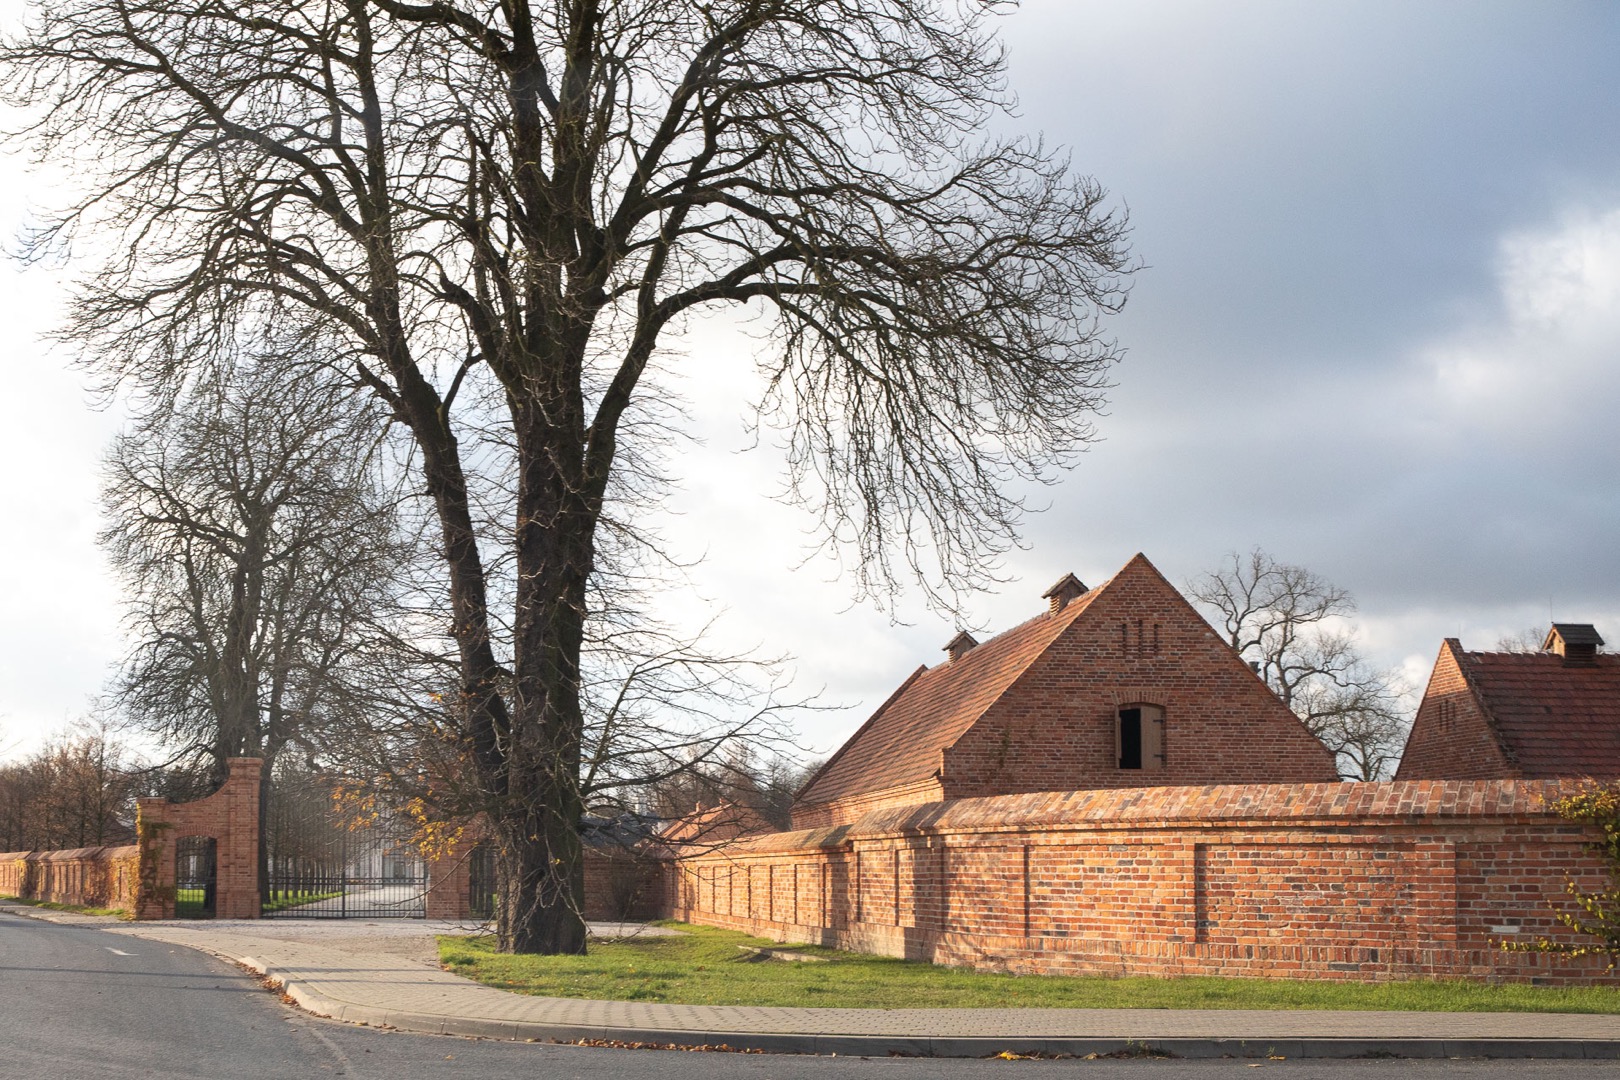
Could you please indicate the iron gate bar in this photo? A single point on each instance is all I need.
(338, 886)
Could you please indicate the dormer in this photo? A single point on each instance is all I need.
(1068, 588)
(1577, 643)
(959, 645)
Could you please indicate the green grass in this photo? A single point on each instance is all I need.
(188, 904)
(52, 905)
(706, 967)
(282, 899)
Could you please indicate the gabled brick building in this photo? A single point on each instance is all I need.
(1528, 716)
(1124, 685)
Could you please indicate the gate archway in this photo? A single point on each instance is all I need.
(227, 821)
(196, 877)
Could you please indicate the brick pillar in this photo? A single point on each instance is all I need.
(231, 816)
(449, 890)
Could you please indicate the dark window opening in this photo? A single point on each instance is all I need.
(1139, 737)
(1130, 738)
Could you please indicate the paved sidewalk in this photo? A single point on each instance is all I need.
(349, 971)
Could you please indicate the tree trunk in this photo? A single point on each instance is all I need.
(541, 880)
(544, 883)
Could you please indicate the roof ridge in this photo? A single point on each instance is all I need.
(966, 666)
(855, 736)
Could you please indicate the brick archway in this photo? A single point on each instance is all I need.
(230, 816)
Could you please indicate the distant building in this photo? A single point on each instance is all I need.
(713, 825)
(1515, 715)
(1123, 685)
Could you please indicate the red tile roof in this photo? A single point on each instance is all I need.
(1551, 718)
(712, 824)
(904, 741)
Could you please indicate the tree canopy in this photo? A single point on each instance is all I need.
(497, 214)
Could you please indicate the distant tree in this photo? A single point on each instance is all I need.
(76, 791)
(500, 213)
(1528, 640)
(255, 547)
(764, 784)
(258, 551)
(1293, 625)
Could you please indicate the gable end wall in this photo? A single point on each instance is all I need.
(1451, 737)
(1138, 642)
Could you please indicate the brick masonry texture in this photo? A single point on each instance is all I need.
(1036, 709)
(1338, 881)
(103, 877)
(231, 816)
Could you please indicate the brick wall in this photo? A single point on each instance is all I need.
(102, 877)
(1450, 735)
(620, 883)
(231, 817)
(1348, 881)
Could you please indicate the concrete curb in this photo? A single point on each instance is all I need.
(317, 1003)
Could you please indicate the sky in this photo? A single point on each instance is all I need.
(1376, 332)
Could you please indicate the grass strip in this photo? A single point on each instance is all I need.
(705, 966)
(78, 909)
(282, 899)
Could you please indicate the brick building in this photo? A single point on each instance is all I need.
(1496, 715)
(1123, 685)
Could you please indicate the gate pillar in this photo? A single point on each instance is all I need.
(231, 817)
(449, 882)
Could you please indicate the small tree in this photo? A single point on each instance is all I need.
(1597, 917)
(1528, 640)
(1291, 624)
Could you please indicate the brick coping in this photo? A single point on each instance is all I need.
(1216, 805)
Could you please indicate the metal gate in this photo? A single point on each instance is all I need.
(481, 882)
(318, 867)
(196, 874)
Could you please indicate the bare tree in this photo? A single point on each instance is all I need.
(257, 551)
(1528, 640)
(500, 211)
(762, 783)
(1292, 625)
(76, 791)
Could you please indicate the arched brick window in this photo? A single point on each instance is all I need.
(1139, 737)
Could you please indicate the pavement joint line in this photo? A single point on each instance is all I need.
(409, 995)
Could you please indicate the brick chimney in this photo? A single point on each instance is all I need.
(960, 645)
(1068, 588)
(1577, 643)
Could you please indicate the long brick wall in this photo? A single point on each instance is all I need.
(90, 877)
(1343, 881)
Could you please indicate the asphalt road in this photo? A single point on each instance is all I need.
(82, 1003)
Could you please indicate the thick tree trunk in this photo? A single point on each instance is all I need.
(554, 547)
(541, 878)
